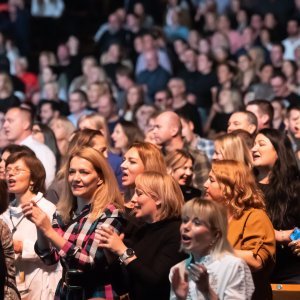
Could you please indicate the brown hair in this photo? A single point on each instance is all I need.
(239, 187)
(37, 170)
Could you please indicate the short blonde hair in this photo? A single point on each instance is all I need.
(215, 216)
(164, 188)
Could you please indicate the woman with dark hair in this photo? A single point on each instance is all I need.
(25, 177)
(279, 178)
(45, 135)
(8, 289)
(125, 134)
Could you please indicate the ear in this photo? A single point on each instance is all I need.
(265, 119)
(157, 202)
(252, 128)
(174, 131)
(286, 123)
(99, 182)
(191, 125)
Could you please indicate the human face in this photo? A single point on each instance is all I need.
(196, 236)
(99, 143)
(278, 86)
(260, 117)
(37, 134)
(213, 190)
(244, 63)
(238, 121)
(18, 177)
(4, 157)
(187, 130)
(263, 152)
(83, 178)
(86, 123)
(47, 75)
(46, 113)
(13, 127)
(76, 105)
(133, 96)
(218, 155)
(131, 167)
(58, 129)
(161, 100)
(105, 107)
(161, 130)
(145, 207)
(93, 95)
(293, 122)
(224, 74)
(119, 137)
(184, 174)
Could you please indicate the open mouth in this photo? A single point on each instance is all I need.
(185, 239)
(11, 182)
(255, 156)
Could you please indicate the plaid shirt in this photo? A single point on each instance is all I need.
(206, 146)
(81, 251)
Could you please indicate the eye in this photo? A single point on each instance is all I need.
(71, 171)
(185, 219)
(198, 222)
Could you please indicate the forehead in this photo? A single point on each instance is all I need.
(12, 113)
(294, 113)
(238, 117)
(98, 139)
(253, 108)
(261, 137)
(19, 162)
(132, 153)
(79, 162)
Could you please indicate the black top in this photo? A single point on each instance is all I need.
(157, 249)
(287, 267)
(9, 102)
(190, 192)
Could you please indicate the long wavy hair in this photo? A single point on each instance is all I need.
(238, 186)
(105, 194)
(283, 191)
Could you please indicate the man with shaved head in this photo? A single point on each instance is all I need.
(167, 133)
(18, 129)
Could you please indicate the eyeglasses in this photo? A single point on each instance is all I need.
(160, 99)
(15, 171)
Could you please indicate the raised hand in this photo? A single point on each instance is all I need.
(180, 285)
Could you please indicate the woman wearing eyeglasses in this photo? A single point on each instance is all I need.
(25, 177)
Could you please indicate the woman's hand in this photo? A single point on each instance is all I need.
(180, 286)
(199, 274)
(110, 240)
(18, 246)
(295, 246)
(37, 216)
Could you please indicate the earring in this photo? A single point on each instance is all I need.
(31, 188)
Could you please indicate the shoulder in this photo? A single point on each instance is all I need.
(46, 205)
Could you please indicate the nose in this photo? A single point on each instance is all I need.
(215, 156)
(188, 172)
(123, 165)
(254, 148)
(206, 183)
(229, 129)
(76, 176)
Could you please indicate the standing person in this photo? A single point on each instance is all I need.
(8, 287)
(204, 275)
(18, 129)
(250, 231)
(279, 179)
(149, 251)
(25, 177)
(90, 198)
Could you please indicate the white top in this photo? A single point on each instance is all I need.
(290, 44)
(45, 155)
(41, 280)
(48, 8)
(229, 277)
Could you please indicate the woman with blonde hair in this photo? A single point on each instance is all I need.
(63, 129)
(149, 251)
(205, 273)
(140, 157)
(180, 165)
(90, 198)
(250, 231)
(232, 146)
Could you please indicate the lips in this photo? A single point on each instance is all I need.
(185, 239)
(255, 156)
(11, 183)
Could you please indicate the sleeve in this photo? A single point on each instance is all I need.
(159, 269)
(201, 168)
(240, 283)
(259, 236)
(85, 257)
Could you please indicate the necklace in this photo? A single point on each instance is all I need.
(15, 227)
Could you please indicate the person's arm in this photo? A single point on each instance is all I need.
(283, 236)
(258, 245)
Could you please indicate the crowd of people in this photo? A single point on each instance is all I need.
(160, 161)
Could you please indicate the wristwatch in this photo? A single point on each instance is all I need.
(127, 254)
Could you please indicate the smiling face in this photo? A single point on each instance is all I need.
(263, 152)
(213, 189)
(18, 177)
(184, 174)
(131, 167)
(145, 207)
(83, 178)
(196, 236)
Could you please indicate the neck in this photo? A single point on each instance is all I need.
(21, 138)
(175, 143)
(25, 197)
(197, 256)
(178, 102)
(264, 175)
(81, 203)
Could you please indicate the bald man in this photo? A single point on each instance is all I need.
(168, 134)
(18, 129)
